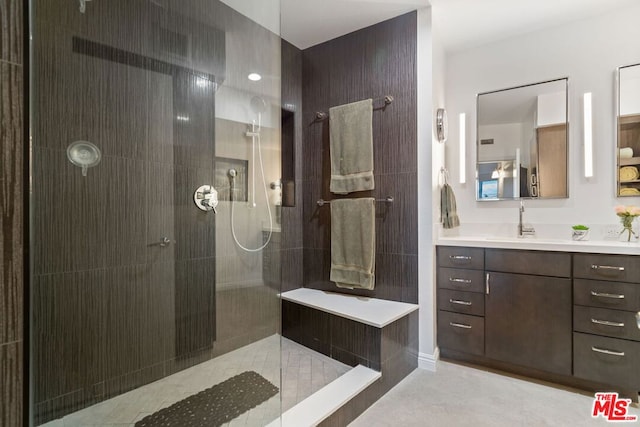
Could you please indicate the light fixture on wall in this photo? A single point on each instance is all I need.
(254, 77)
(588, 135)
(463, 147)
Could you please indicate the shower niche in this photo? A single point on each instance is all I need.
(288, 159)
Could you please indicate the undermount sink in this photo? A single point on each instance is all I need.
(528, 239)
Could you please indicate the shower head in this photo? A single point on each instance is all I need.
(258, 105)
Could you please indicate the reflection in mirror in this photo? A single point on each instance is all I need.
(629, 131)
(522, 142)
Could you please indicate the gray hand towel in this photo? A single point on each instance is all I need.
(353, 243)
(448, 209)
(351, 143)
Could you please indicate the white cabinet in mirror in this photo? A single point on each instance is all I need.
(522, 142)
(628, 120)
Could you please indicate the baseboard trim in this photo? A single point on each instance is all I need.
(428, 361)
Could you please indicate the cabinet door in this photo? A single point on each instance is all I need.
(528, 321)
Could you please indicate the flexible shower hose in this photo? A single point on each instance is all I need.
(266, 196)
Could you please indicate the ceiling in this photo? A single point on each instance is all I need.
(460, 24)
(306, 23)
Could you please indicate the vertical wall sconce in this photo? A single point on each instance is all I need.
(588, 136)
(463, 147)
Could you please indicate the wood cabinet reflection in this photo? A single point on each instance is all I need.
(552, 161)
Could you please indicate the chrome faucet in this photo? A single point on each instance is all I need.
(524, 230)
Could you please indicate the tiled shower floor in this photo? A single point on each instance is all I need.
(303, 373)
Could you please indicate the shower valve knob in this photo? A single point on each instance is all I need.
(206, 198)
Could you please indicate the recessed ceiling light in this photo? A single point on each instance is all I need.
(254, 77)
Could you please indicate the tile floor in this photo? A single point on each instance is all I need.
(303, 372)
(458, 395)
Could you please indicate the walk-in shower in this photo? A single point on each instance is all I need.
(140, 302)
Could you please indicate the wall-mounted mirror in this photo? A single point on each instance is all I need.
(628, 169)
(522, 146)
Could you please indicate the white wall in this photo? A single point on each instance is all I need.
(552, 109)
(430, 97)
(630, 88)
(588, 52)
(506, 138)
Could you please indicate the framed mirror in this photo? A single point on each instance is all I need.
(628, 119)
(522, 142)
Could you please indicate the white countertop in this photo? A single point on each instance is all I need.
(542, 244)
(371, 311)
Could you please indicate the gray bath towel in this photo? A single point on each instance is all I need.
(353, 243)
(448, 209)
(351, 135)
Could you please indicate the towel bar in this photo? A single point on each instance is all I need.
(321, 115)
(388, 199)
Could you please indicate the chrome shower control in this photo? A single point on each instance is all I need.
(206, 198)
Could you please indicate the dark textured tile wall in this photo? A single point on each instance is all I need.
(399, 360)
(292, 227)
(370, 63)
(12, 218)
(392, 350)
(116, 309)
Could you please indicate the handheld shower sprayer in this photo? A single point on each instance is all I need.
(258, 106)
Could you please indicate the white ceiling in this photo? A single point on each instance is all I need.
(307, 23)
(460, 24)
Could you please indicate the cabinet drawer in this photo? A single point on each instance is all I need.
(556, 264)
(605, 322)
(606, 360)
(461, 302)
(621, 268)
(596, 293)
(453, 256)
(461, 280)
(461, 332)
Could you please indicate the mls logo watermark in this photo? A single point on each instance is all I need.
(612, 408)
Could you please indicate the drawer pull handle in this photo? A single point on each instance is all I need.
(607, 323)
(456, 280)
(606, 267)
(460, 257)
(459, 302)
(460, 325)
(605, 295)
(609, 352)
(486, 283)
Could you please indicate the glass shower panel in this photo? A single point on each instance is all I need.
(141, 300)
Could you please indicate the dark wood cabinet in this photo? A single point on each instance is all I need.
(606, 319)
(460, 281)
(461, 332)
(607, 360)
(528, 321)
(457, 257)
(572, 318)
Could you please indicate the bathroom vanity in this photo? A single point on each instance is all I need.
(562, 315)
